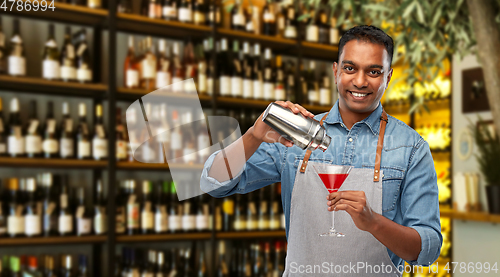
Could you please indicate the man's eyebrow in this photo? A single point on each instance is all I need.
(370, 66)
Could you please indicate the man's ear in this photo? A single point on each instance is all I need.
(334, 67)
(388, 78)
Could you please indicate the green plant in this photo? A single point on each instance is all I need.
(489, 152)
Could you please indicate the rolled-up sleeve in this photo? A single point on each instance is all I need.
(420, 203)
(262, 169)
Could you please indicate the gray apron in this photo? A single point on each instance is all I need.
(356, 254)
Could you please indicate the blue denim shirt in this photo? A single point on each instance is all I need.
(409, 181)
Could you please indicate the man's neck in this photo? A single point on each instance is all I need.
(350, 118)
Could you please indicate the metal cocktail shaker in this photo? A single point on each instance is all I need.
(305, 132)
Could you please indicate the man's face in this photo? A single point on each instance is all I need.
(362, 75)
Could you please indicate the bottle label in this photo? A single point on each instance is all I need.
(147, 217)
(268, 91)
(249, 27)
(202, 82)
(33, 144)
(15, 144)
(251, 224)
(176, 141)
(324, 96)
(238, 19)
(263, 224)
(257, 89)
(203, 146)
(177, 84)
(290, 32)
(84, 75)
(170, 11)
(236, 86)
(132, 77)
(312, 33)
(240, 224)
(65, 224)
(100, 224)
(201, 222)
(120, 220)
(50, 69)
(68, 72)
(268, 17)
(83, 149)
(149, 67)
(49, 217)
(228, 207)
(50, 146)
(15, 224)
(225, 85)
(334, 36)
(185, 14)
(17, 65)
(283, 221)
(174, 222)
(163, 79)
(188, 222)
(84, 225)
(132, 214)
(210, 85)
(3, 148)
(281, 23)
(67, 147)
(189, 87)
(199, 17)
(121, 149)
(247, 88)
(99, 148)
(279, 93)
(32, 225)
(161, 220)
(313, 96)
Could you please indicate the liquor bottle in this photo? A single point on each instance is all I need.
(280, 20)
(154, 9)
(3, 213)
(257, 260)
(312, 31)
(124, 6)
(186, 11)
(278, 259)
(268, 76)
(121, 137)
(99, 141)
(325, 94)
(188, 264)
(240, 214)
(148, 67)
(227, 214)
(222, 269)
(303, 23)
(274, 213)
(188, 214)
(132, 210)
(65, 219)
(174, 211)
(100, 222)
(130, 66)
(249, 24)
(202, 213)
(207, 49)
(334, 31)
(148, 153)
(237, 72)
(66, 266)
(82, 214)
(17, 58)
(50, 57)
(224, 70)
(67, 58)
(247, 72)
(15, 219)
(66, 136)
(49, 266)
(3, 136)
(251, 212)
(160, 265)
(49, 205)
(144, 8)
(83, 147)
(202, 69)
(162, 126)
(178, 70)
(32, 270)
(263, 219)
(176, 136)
(120, 214)
(238, 17)
(83, 65)
(290, 31)
(290, 81)
(33, 139)
(199, 12)
(15, 267)
(161, 216)
(323, 28)
(169, 10)
(32, 211)
(147, 216)
(213, 13)
(203, 139)
(191, 69)
(258, 78)
(312, 84)
(50, 144)
(202, 266)
(174, 265)
(149, 261)
(3, 51)
(268, 20)
(82, 266)
(279, 87)
(163, 70)
(267, 265)
(15, 140)
(94, 4)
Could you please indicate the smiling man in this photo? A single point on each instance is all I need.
(387, 208)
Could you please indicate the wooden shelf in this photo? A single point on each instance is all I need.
(143, 25)
(51, 240)
(52, 163)
(133, 94)
(251, 234)
(242, 102)
(158, 166)
(63, 13)
(42, 86)
(470, 216)
(319, 51)
(276, 43)
(164, 237)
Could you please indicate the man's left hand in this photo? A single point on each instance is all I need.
(354, 203)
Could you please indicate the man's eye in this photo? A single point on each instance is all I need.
(375, 72)
(348, 68)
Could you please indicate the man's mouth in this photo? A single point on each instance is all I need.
(358, 95)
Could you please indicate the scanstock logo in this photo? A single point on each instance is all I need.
(170, 126)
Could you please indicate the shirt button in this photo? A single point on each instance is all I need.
(350, 139)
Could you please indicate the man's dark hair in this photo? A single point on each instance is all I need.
(370, 34)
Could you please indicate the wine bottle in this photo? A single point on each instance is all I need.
(207, 48)
(290, 22)
(67, 60)
(94, 4)
(169, 10)
(3, 51)
(49, 205)
(163, 138)
(100, 222)
(32, 211)
(175, 211)
(280, 20)
(263, 221)
(199, 12)
(33, 139)
(161, 215)
(15, 140)
(66, 136)
(274, 213)
(173, 269)
(50, 57)
(122, 147)
(249, 19)
(203, 139)
(65, 219)
(279, 87)
(312, 31)
(239, 214)
(148, 67)
(50, 144)
(186, 11)
(3, 213)
(267, 265)
(178, 70)
(268, 20)
(17, 58)
(83, 134)
(303, 22)
(202, 266)
(278, 259)
(130, 66)
(202, 214)
(120, 214)
(188, 214)
(82, 266)
(191, 69)
(202, 69)
(334, 31)
(49, 266)
(290, 81)
(15, 267)
(257, 77)
(251, 212)
(188, 267)
(99, 142)
(163, 70)
(237, 72)
(154, 9)
(325, 94)
(323, 28)
(15, 219)
(132, 210)
(3, 136)
(312, 84)
(144, 8)
(176, 136)
(32, 270)
(224, 70)
(66, 266)
(238, 17)
(124, 6)
(222, 269)
(268, 76)
(147, 217)
(160, 265)
(247, 72)
(227, 214)
(83, 64)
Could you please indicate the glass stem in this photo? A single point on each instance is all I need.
(333, 222)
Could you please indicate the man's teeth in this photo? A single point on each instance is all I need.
(359, 94)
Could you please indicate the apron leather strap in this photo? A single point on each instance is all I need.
(380, 144)
(308, 152)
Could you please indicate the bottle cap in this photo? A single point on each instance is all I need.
(14, 105)
(13, 184)
(32, 262)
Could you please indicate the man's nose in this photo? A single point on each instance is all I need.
(360, 80)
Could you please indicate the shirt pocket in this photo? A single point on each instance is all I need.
(391, 186)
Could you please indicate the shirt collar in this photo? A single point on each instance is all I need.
(372, 121)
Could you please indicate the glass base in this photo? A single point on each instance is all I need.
(332, 233)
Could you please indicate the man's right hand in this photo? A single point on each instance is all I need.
(264, 133)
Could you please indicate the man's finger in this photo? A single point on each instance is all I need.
(349, 195)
